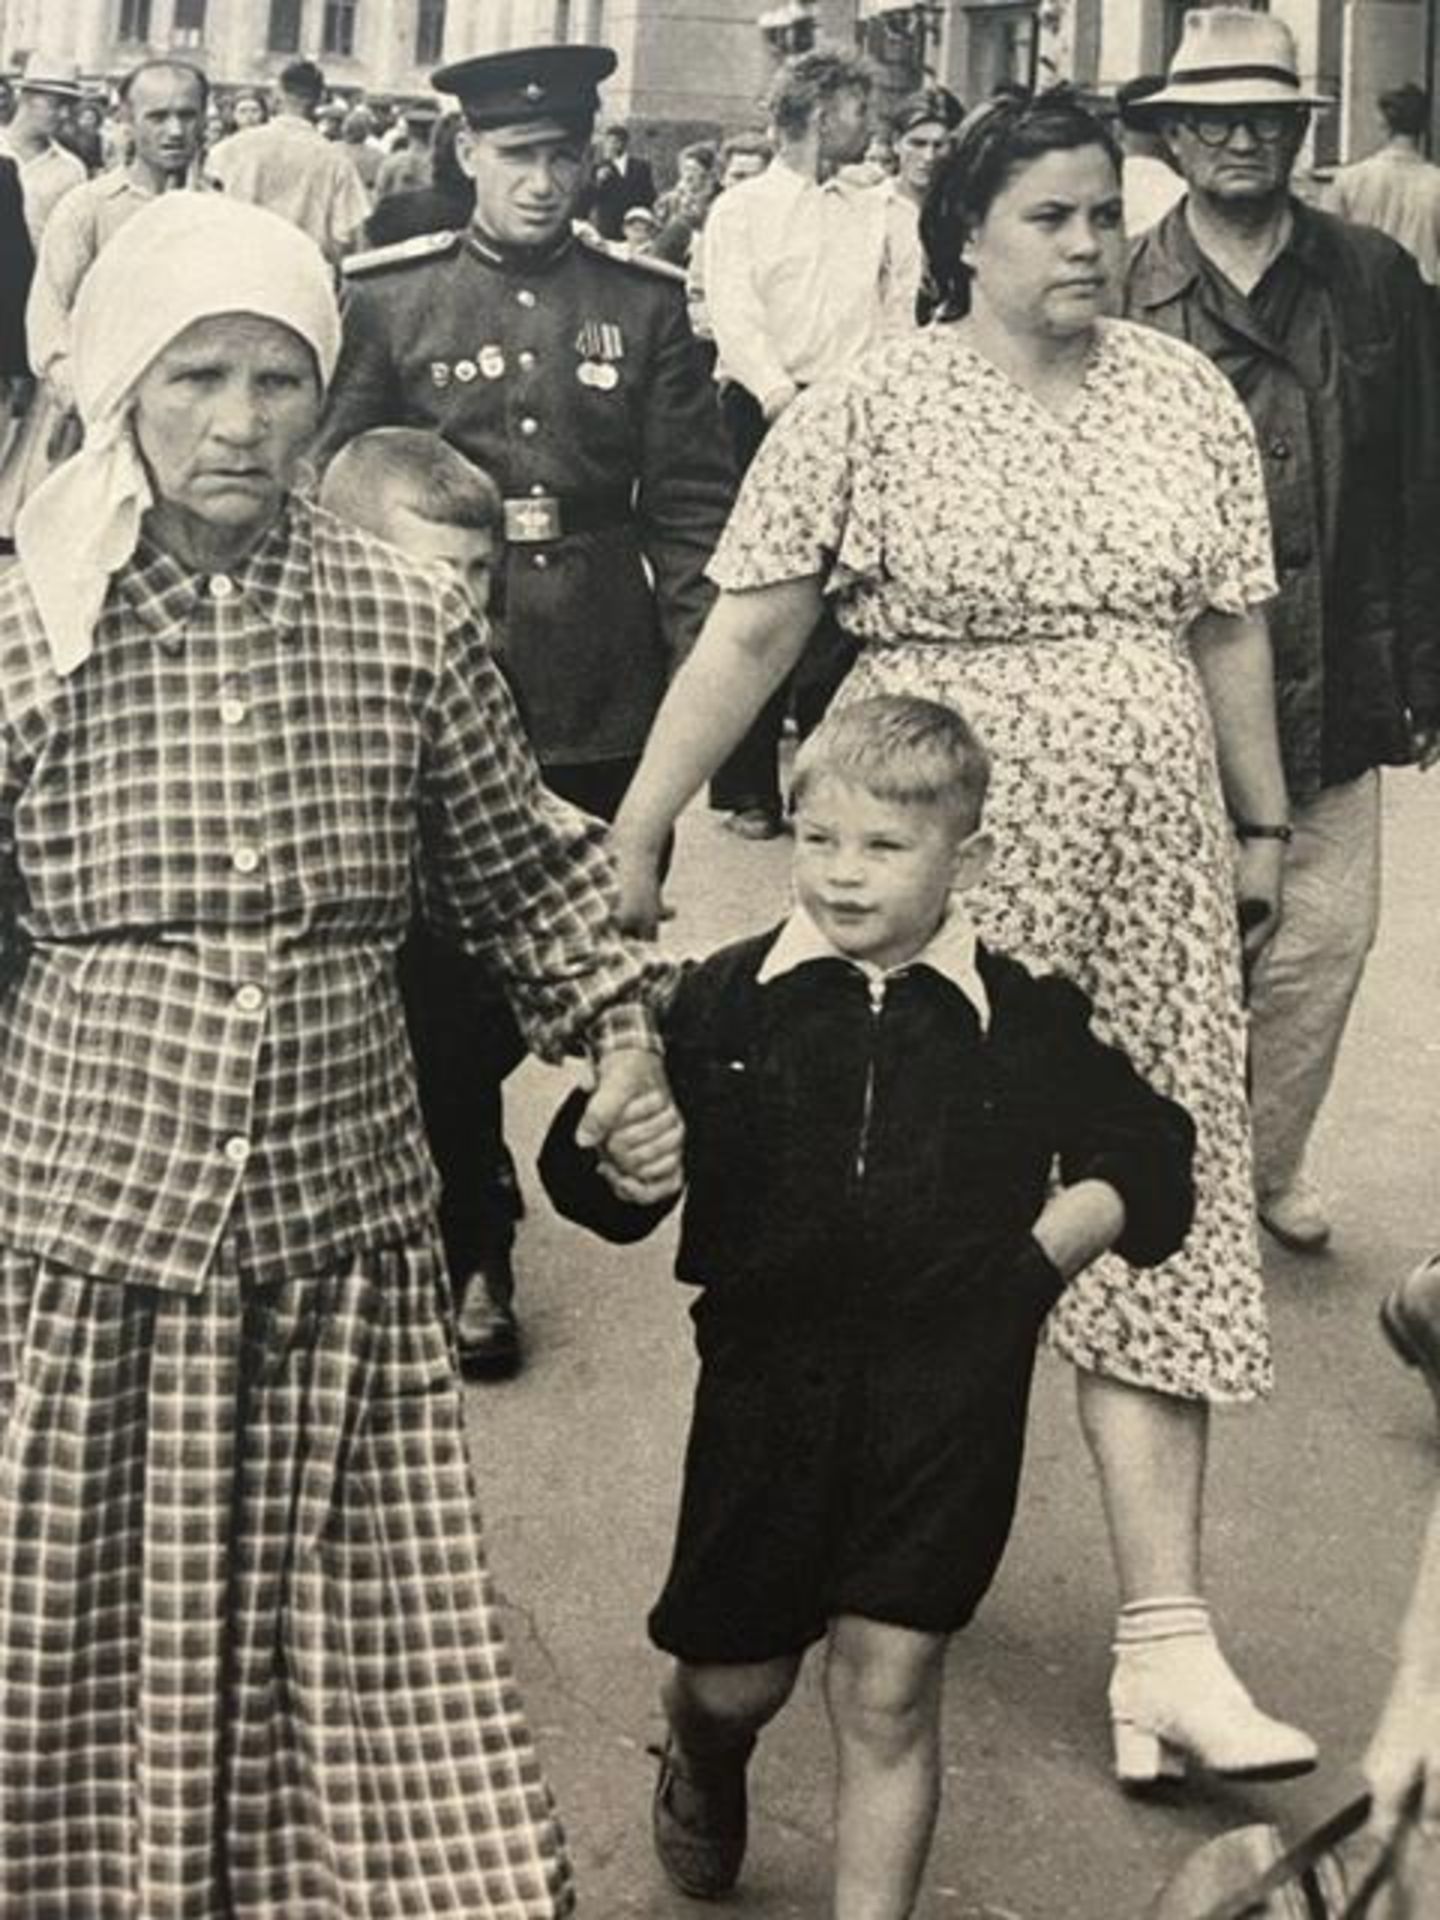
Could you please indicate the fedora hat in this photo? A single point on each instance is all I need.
(44, 75)
(1230, 57)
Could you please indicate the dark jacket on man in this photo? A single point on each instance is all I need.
(17, 269)
(611, 194)
(1335, 354)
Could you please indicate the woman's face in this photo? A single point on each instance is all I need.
(918, 151)
(1046, 257)
(222, 417)
(249, 110)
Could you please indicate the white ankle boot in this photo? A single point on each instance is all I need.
(1174, 1700)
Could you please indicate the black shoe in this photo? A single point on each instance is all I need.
(701, 1841)
(487, 1334)
(755, 823)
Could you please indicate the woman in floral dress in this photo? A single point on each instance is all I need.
(1056, 521)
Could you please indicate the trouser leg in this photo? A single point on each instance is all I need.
(1305, 981)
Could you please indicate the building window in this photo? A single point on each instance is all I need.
(562, 20)
(188, 28)
(134, 19)
(429, 32)
(284, 33)
(338, 33)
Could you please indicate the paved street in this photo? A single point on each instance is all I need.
(1316, 1505)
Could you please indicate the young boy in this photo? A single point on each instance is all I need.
(872, 1104)
(416, 491)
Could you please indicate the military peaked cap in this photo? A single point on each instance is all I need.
(528, 83)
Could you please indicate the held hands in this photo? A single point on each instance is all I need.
(1079, 1223)
(634, 1123)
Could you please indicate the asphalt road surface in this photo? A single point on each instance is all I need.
(1317, 1502)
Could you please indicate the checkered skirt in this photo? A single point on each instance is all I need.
(250, 1662)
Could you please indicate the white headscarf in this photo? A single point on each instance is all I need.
(185, 257)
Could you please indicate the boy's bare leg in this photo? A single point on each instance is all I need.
(715, 1710)
(883, 1686)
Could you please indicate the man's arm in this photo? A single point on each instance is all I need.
(687, 477)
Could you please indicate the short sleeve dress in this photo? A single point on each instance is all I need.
(1042, 574)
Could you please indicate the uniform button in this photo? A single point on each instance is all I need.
(245, 859)
(527, 359)
(540, 562)
(250, 998)
(538, 488)
(221, 586)
(1279, 449)
(525, 297)
(237, 1149)
(529, 426)
(232, 712)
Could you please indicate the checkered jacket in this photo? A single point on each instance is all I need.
(209, 836)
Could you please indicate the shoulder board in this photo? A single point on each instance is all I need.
(656, 269)
(421, 246)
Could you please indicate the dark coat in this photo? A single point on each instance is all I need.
(841, 1151)
(575, 375)
(612, 194)
(17, 269)
(1336, 356)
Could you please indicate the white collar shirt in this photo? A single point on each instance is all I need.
(951, 951)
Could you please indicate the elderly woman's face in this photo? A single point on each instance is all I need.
(222, 417)
(1046, 257)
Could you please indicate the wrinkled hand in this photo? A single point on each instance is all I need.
(1404, 1756)
(1258, 888)
(634, 1123)
(1425, 745)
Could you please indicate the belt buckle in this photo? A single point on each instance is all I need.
(533, 518)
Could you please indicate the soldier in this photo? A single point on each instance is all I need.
(572, 377)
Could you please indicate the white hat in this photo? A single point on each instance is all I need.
(1230, 57)
(45, 75)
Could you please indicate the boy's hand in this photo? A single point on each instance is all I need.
(634, 1123)
(1078, 1223)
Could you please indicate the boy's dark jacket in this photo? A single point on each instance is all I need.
(847, 1146)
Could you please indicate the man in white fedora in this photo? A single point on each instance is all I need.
(47, 170)
(1326, 331)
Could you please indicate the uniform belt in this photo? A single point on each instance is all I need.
(531, 518)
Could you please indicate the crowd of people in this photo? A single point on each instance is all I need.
(403, 539)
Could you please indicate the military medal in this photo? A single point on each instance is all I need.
(439, 373)
(465, 371)
(605, 377)
(492, 362)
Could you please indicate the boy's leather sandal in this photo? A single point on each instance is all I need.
(701, 1841)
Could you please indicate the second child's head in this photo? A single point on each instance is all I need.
(886, 800)
(418, 492)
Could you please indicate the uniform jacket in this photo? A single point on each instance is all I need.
(1336, 357)
(852, 1139)
(574, 375)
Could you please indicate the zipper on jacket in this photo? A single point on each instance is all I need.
(876, 990)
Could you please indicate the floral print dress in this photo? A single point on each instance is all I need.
(1041, 573)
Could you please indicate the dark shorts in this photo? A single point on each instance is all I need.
(870, 1472)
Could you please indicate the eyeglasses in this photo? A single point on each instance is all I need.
(1216, 126)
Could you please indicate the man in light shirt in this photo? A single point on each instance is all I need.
(794, 274)
(1397, 189)
(162, 101)
(290, 167)
(48, 170)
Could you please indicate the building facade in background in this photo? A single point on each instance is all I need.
(691, 66)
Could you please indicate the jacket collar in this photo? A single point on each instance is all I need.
(1172, 260)
(272, 577)
(951, 952)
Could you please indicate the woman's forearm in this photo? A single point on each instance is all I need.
(1232, 656)
(746, 647)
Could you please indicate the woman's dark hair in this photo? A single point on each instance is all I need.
(994, 141)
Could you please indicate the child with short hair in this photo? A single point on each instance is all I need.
(873, 1101)
(408, 486)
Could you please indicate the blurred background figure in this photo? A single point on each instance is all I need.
(681, 213)
(621, 179)
(1397, 189)
(408, 168)
(1149, 182)
(922, 130)
(638, 231)
(358, 133)
(47, 169)
(289, 166)
(443, 205)
(248, 108)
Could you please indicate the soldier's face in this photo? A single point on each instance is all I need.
(527, 179)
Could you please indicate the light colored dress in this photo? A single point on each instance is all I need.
(1041, 574)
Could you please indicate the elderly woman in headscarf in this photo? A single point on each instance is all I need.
(249, 1656)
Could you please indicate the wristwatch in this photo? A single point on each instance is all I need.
(1254, 830)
